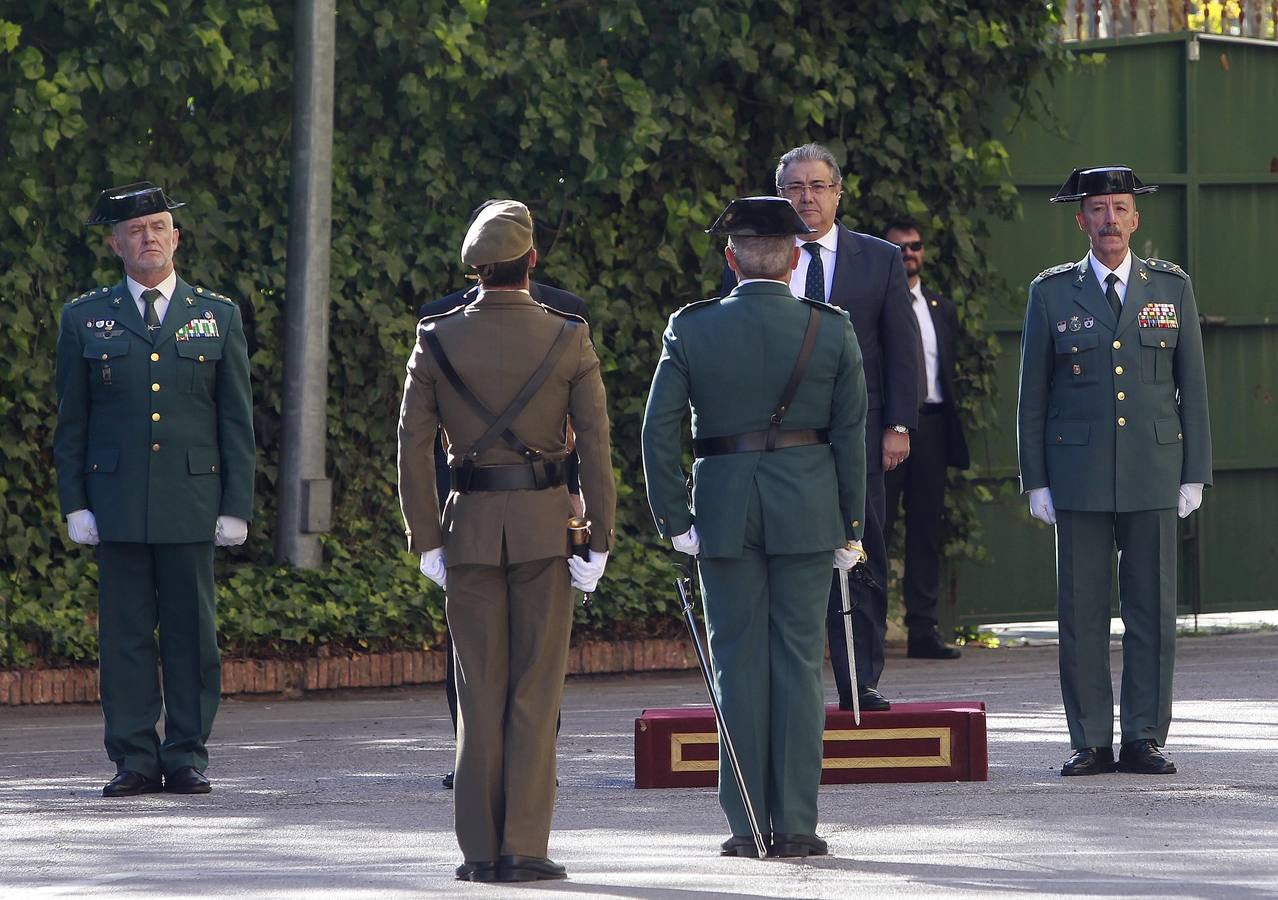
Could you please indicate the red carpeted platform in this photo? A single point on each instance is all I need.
(909, 742)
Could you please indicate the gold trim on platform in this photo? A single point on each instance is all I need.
(940, 760)
(679, 764)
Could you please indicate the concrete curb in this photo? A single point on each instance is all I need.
(296, 677)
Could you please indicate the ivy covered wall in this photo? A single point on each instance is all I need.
(626, 126)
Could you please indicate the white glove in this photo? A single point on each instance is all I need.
(587, 572)
(1189, 499)
(434, 566)
(847, 557)
(688, 542)
(230, 532)
(1041, 506)
(82, 527)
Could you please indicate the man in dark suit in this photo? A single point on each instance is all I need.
(936, 444)
(155, 457)
(557, 299)
(862, 275)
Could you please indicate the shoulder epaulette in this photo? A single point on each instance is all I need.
(1056, 270)
(1163, 265)
(571, 317)
(435, 317)
(699, 304)
(826, 307)
(214, 295)
(89, 295)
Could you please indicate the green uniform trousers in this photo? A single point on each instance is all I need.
(140, 587)
(766, 619)
(510, 626)
(1146, 542)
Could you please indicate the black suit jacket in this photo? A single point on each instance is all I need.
(869, 284)
(945, 321)
(555, 298)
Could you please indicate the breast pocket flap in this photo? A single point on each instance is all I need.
(1069, 433)
(1168, 431)
(101, 459)
(1076, 343)
(106, 349)
(1159, 338)
(199, 351)
(202, 460)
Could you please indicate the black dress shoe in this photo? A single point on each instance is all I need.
(448, 781)
(928, 645)
(1143, 758)
(742, 845)
(187, 780)
(130, 784)
(871, 701)
(529, 868)
(1089, 761)
(791, 845)
(484, 870)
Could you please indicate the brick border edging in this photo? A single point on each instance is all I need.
(22, 687)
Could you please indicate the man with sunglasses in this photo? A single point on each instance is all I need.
(864, 276)
(937, 444)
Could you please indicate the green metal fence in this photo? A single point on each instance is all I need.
(1198, 115)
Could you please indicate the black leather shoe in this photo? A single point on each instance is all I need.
(928, 645)
(448, 781)
(1143, 758)
(187, 780)
(742, 845)
(871, 701)
(790, 845)
(130, 784)
(529, 868)
(485, 870)
(1089, 761)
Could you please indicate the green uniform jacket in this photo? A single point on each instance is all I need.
(154, 435)
(731, 358)
(1113, 415)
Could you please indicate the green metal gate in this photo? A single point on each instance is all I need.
(1198, 115)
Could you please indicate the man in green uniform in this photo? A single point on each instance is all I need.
(1114, 443)
(763, 520)
(502, 376)
(155, 457)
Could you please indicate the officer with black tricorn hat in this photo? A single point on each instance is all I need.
(155, 457)
(1114, 444)
(778, 401)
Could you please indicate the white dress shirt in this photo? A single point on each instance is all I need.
(799, 277)
(1123, 272)
(931, 354)
(166, 289)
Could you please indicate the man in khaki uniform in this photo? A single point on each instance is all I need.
(502, 375)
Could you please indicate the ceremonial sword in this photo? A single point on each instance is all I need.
(684, 585)
(847, 635)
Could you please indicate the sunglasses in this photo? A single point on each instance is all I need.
(915, 246)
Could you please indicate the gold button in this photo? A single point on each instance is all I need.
(155, 357)
(106, 356)
(1118, 370)
(1059, 438)
(1162, 343)
(856, 523)
(213, 468)
(94, 467)
(155, 417)
(201, 358)
(155, 387)
(1122, 421)
(155, 448)
(1073, 349)
(1180, 436)
(1118, 345)
(1122, 395)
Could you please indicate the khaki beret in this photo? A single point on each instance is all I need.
(501, 232)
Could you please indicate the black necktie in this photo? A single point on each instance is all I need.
(150, 295)
(814, 287)
(1111, 294)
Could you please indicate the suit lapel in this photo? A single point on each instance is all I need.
(1090, 296)
(126, 311)
(845, 253)
(1137, 294)
(178, 313)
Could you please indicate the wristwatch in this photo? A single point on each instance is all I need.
(899, 429)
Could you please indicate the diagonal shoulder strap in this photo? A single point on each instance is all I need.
(499, 425)
(796, 376)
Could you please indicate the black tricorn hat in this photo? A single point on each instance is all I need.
(759, 217)
(1101, 180)
(118, 204)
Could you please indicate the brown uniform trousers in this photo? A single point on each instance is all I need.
(509, 599)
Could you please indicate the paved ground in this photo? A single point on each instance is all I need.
(340, 797)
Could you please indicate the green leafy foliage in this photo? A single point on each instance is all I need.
(625, 125)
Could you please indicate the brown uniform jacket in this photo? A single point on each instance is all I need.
(495, 344)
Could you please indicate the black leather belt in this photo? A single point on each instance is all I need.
(753, 441)
(534, 476)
